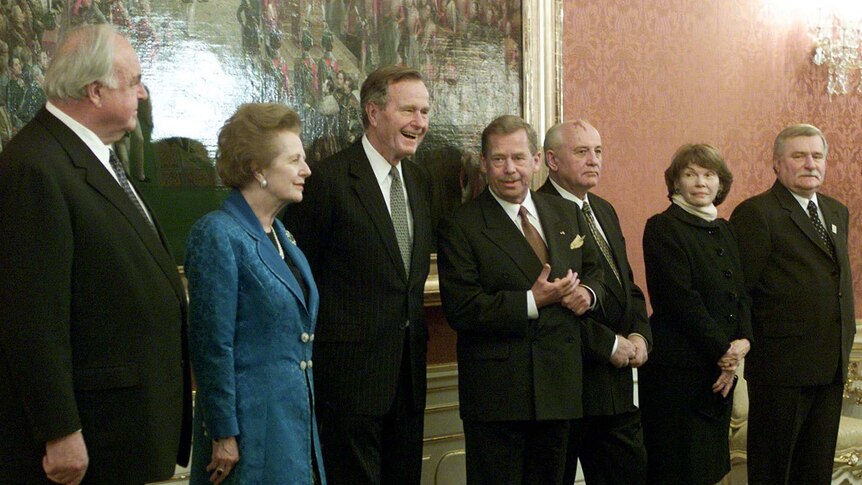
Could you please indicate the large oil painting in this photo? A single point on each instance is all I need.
(202, 58)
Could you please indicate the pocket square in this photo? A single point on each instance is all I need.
(577, 242)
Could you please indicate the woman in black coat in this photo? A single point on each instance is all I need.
(701, 324)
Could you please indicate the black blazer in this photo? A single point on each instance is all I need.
(608, 390)
(366, 299)
(93, 317)
(511, 367)
(696, 287)
(802, 311)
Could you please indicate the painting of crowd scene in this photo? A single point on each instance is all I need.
(202, 58)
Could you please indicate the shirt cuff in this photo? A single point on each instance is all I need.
(593, 293)
(532, 309)
(614, 349)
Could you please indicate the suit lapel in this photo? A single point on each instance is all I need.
(799, 216)
(832, 219)
(614, 236)
(237, 207)
(558, 236)
(419, 210)
(293, 252)
(501, 232)
(98, 177)
(368, 193)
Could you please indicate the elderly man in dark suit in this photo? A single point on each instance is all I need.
(365, 225)
(793, 246)
(94, 385)
(611, 425)
(517, 268)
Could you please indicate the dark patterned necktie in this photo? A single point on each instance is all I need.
(399, 217)
(533, 236)
(127, 187)
(821, 231)
(600, 241)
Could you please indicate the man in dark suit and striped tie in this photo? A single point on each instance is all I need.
(518, 272)
(793, 246)
(611, 426)
(365, 226)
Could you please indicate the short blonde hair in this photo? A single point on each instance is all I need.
(702, 155)
(245, 141)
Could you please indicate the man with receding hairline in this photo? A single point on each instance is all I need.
(365, 226)
(95, 386)
(518, 274)
(793, 247)
(613, 448)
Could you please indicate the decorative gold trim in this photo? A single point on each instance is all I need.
(543, 67)
(443, 437)
(439, 408)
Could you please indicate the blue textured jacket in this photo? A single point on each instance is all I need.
(250, 336)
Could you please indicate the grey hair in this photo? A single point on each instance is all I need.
(85, 56)
(794, 131)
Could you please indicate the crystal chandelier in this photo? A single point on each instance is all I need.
(836, 44)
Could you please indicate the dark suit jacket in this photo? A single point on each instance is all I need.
(93, 317)
(344, 228)
(608, 390)
(511, 367)
(802, 311)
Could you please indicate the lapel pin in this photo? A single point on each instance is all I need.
(563, 233)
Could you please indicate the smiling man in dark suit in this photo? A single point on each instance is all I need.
(611, 428)
(95, 384)
(517, 269)
(793, 246)
(365, 226)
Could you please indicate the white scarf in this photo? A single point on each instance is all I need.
(707, 213)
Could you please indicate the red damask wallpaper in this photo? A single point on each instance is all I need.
(654, 74)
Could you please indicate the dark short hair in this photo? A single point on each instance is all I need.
(375, 88)
(245, 141)
(702, 155)
(794, 131)
(505, 125)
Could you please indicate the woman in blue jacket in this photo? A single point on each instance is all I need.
(253, 305)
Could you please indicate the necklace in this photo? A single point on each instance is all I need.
(274, 239)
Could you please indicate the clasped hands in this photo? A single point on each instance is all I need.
(728, 364)
(631, 351)
(565, 291)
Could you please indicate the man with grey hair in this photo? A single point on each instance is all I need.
(365, 226)
(793, 246)
(611, 427)
(518, 273)
(94, 386)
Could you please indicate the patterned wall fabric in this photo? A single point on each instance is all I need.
(654, 74)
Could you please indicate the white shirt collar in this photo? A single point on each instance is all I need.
(803, 201)
(512, 209)
(379, 164)
(85, 134)
(568, 195)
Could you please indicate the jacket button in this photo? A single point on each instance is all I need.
(302, 364)
(732, 296)
(304, 337)
(404, 325)
(309, 364)
(311, 338)
(720, 251)
(728, 273)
